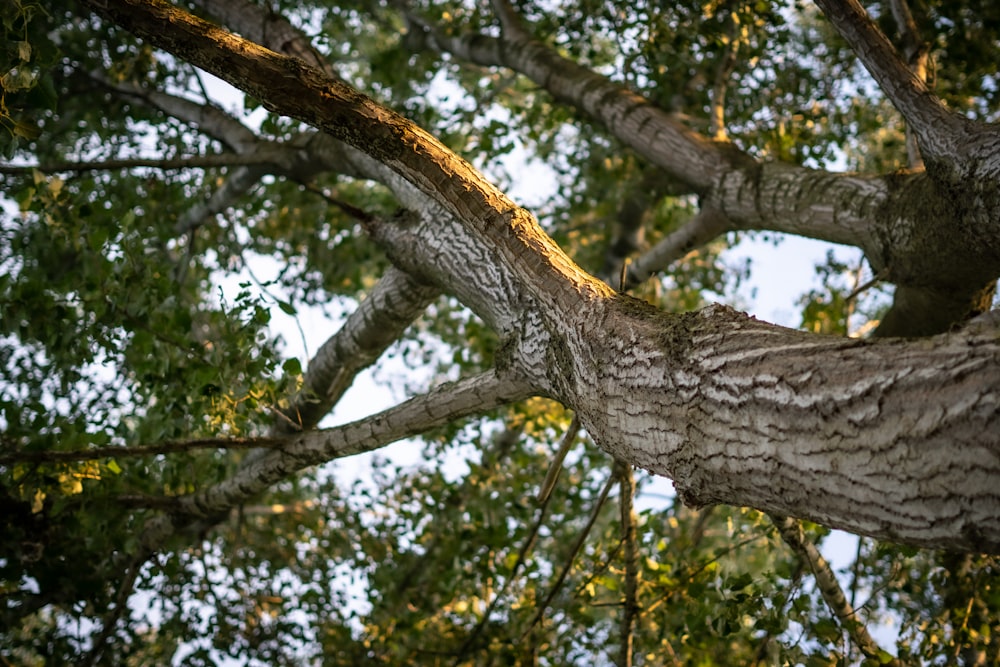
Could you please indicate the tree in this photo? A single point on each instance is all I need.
(155, 439)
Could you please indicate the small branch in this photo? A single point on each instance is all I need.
(867, 285)
(630, 219)
(522, 557)
(190, 162)
(168, 447)
(510, 23)
(236, 185)
(440, 406)
(706, 225)
(209, 119)
(692, 571)
(829, 588)
(358, 214)
(918, 56)
(145, 501)
(247, 266)
(110, 619)
(731, 47)
(556, 466)
(915, 50)
(392, 305)
(630, 610)
(557, 585)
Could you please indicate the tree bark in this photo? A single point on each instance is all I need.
(914, 227)
(894, 439)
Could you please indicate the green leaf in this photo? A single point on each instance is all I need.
(292, 367)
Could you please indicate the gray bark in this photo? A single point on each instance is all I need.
(914, 227)
(894, 439)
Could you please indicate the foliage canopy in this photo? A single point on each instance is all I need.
(153, 227)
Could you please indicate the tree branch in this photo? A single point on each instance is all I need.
(208, 118)
(652, 186)
(773, 196)
(651, 132)
(630, 604)
(936, 128)
(511, 24)
(269, 28)
(555, 466)
(707, 224)
(713, 400)
(439, 406)
(395, 301)
(570, 557)
(122, 452)
(918, 56)
(829, 588)
(261, 156)
(730, 41)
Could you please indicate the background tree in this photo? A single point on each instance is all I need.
(165, 494)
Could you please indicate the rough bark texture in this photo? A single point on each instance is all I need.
(898, 440)
(913, 226)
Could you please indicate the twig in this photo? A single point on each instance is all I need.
(522, 557)
(263, 288)
(692, 571)
(731, 44)
(552, 476)
(877, 278)
(572, 556)
(110, 620)
(190, 162)
(167, 447)
(358, 214)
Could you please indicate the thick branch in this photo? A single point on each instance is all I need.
(268, 28)
(651, 132)
(287, 86)
(937, 129)
(908, 225)
(896, 440)
(840, 432)
(775, 196)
